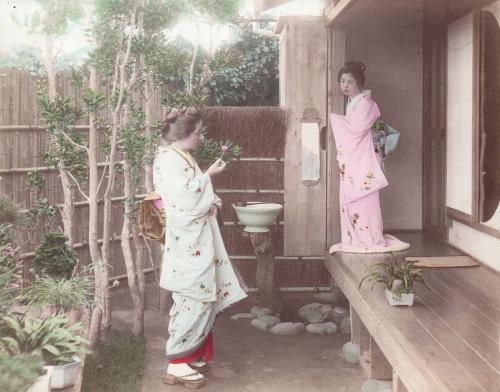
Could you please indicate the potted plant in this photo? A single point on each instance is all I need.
(398, 277)
(59, 295)
(50, 338)
(54, 257)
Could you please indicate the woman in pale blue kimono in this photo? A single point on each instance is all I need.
(195, 266)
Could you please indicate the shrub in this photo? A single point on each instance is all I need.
(54, 257)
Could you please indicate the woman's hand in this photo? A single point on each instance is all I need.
(214, 211)
(217, 167)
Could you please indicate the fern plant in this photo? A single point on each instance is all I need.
(50, 338)
(399, 277)
(63, 294)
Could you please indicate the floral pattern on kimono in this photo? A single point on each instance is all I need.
(361, 178)
(193, 246)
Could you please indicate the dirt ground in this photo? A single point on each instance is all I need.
(247, 359)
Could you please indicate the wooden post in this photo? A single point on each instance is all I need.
(372, 360)
(397, 385)
(265, 253)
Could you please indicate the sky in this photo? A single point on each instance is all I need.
(74, 45)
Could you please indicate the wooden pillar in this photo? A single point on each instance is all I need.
(397, 384)
(336, 59)
(372, 360)
(303, 68)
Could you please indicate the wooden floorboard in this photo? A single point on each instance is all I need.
(461, 289)
(476, 352)
(449, 340)
(430, 352)
(401, 333)
(472, 364)
(459, 304)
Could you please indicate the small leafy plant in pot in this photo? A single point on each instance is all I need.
(50, 338)
(398, 277)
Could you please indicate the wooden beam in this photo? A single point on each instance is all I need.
(332, 13)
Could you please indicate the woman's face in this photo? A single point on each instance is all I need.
(349, 86)
(194, 139)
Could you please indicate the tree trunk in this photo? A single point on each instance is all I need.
(149, 121)
(115, 129)
(133, 284)
(95, 253)
(68, 204)
(67, 188)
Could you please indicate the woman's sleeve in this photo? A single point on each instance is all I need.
(190, 195)
(217, 201)
(360, 119)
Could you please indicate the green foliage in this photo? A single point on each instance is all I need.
(63, 294)
(68, 149)
(42, 209)
(246, 72)
(9, 212)
(210, 150)
(117, 366)
(35, 180)
(19, 372)
(8, 291)
(51, 338)
(54, 257)
(222, 10)
(94, 101)
(56, 16)
(399, 277)
(12, 221)
(184, 99)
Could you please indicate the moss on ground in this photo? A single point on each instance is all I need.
(117, 366)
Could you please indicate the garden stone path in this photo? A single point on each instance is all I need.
(248, 359)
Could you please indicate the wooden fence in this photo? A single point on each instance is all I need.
(257, 176)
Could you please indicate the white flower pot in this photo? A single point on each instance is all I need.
(399, 299)
(42, 383)
(64, 375)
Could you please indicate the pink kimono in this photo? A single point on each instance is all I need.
(361, 178)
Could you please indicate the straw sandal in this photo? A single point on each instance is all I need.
(192, 384)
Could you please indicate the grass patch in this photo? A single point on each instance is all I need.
(118, 364)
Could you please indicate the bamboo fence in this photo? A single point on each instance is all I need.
(258, 176)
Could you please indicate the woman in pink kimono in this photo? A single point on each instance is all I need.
(361, 176)
(195, 266)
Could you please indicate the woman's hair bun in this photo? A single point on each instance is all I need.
(171, 116)
(358, 65)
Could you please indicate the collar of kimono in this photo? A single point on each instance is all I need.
(186, 155)
(363, 93)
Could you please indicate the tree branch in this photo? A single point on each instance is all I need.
(72, 141)
(77, 185)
